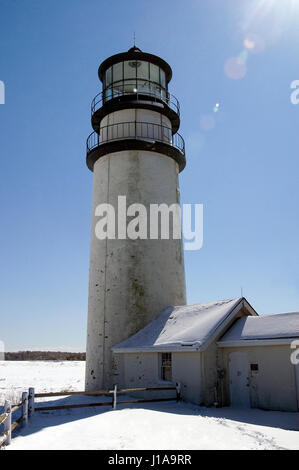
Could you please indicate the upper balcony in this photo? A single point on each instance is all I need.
(134, 93)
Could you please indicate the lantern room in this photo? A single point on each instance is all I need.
(132, 76)
(135, 109)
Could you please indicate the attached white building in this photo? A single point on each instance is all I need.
(221, 352)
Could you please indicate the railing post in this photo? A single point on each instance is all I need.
(114, 397)
(25, 408)
(31, 402)
(178, 391)
(7, 422)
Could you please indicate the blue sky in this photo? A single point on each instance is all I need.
(244, 170)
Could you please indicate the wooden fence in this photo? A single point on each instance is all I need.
(28, 405)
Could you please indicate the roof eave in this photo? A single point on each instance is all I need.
(255, 342)
(159, 348)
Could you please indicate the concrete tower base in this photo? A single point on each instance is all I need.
(131, 281)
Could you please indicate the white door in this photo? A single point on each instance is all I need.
(239, 379)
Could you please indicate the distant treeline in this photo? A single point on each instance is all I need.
(44, 356)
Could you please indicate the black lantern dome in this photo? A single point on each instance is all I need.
(135, 54)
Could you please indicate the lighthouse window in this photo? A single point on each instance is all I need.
(166, 367)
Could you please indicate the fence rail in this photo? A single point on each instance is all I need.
(28, 407)
(6, 418)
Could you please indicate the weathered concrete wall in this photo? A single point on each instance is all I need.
(138, 115)
(273, 387)
(186, 369)
(209, 377)
(143, 370)
(131, 281)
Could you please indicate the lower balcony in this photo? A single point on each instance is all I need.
(135, 136)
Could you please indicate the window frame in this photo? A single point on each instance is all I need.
(165, 367)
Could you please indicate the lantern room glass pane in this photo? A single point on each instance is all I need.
(117, 72)
(130, 67)
(108, 76)
(162, 78)
(108, 93)
(143, 70)
(143, 86)
(154, 73)
(129, 86)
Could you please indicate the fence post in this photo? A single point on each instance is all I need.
(25, 408)
(114, 397)
(31, 402)
(7, 422)
(178, 391)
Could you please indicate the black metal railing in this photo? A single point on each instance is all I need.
(154, 91)
(135, 130)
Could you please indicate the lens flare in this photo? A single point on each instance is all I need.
(242, 57)
(269, 19)
(235, 68)
(254, 43)
(207, 122)
(249, 44)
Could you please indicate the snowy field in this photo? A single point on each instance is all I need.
(152, 426)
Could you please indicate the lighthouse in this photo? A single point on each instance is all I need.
(136, 155)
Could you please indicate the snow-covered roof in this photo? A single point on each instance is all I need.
(283, 325)
(185, 327)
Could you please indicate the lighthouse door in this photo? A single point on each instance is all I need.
(239, 379)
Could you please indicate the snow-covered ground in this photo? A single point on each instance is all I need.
(166, 425)
(44, 376)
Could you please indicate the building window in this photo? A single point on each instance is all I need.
(166, 367)
(254, 367)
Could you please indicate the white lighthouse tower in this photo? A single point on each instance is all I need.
(134, 152)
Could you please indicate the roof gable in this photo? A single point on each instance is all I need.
(187, 327)
(284, 325)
